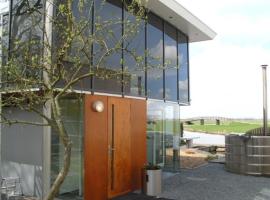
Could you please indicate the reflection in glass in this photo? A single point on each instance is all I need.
(4, 19)
(183, 68)
(108, 30)
(163, 134)
(172, 136)
(27, 35)
(170, 47)
(154, 57)
(72, 115)
(155, 136)
(134, 56)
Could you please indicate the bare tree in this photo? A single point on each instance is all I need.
(49, 56)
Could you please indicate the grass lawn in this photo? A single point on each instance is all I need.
(224, 128)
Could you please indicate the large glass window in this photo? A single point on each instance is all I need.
(154, 57)
(27, 35)
(78, 56)
(134, 54)
(4, 37)
(108, 46)
(163, 134)
(183, 68)
(72, 115)
(170, 47)
(4, 44)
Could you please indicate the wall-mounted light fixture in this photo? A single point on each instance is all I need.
(98, 106)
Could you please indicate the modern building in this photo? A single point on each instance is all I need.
(140, 122)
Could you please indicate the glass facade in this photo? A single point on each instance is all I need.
(183, 72)
(27, 35)
(149, 59)
(72, 115)
(155, 57)
(108, 28)
(163, 134)
(134, 57)
(170, 48)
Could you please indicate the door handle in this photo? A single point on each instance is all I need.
(111, 150)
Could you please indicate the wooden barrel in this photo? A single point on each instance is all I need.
(248, 154)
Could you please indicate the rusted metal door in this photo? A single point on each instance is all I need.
(119, 146)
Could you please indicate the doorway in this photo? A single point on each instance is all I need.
(115, 146)
(119, 146)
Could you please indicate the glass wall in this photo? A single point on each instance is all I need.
(183, 61)
(144, 63)
(163, 134)
(134, 53)
(170, 48)
(107, 48)
(27, 35)
(4, 38)
(155, 57)
(72, 112)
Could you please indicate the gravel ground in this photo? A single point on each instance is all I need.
(212, 182)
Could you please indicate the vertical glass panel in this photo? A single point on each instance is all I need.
(154, 57)
(4, 23)
(78, 56)
(27, 35)
(172, 136)
(107, 49)
(4, 37)
(170, 47)
(155, 132)
(183, 68)
(134, 54)
(72, 115)
(163, 134)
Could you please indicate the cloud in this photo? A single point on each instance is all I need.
(226, 79)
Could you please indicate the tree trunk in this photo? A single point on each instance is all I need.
(62, 174)
(65, 140)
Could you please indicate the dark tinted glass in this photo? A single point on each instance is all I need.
(4, 38)
(107, 49)
(4, 44)
(154, 57)
(134, 54)
(183, 68)
(170, 48)
(78, 58)
(27, 35)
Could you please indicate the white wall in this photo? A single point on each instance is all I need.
(21, 151)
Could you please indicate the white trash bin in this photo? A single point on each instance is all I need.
(153, 182)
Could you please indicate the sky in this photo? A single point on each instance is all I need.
(225, 73)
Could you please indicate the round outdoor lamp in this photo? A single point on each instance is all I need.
(98, 106)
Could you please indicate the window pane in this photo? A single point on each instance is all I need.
(78, 57)
(27, 36)
(163, 131)
(170, 47)
(107, 49)
(154, 57)
(155, 132)
(134, 59)
(4, 43)
(72, 115)
(183, 68)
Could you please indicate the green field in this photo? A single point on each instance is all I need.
(225, 127)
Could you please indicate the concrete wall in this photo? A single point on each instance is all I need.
(21, 151)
